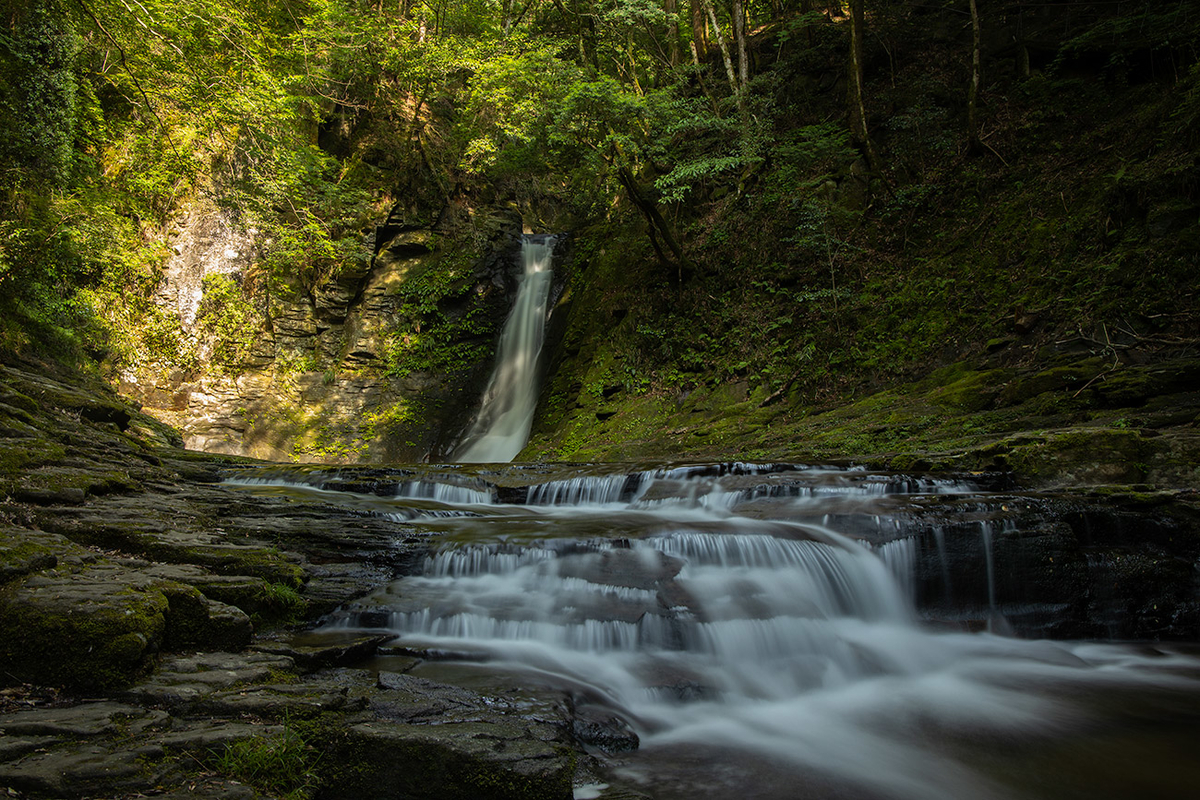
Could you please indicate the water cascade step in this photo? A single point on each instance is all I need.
(501, 428)
(755, 630)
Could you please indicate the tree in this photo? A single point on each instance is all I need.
(854, 93)
(973, 143)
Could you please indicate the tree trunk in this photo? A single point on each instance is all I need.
(973, 144)
(659, 227)
(739, 35)
(699, 29)
(733, 82)
(854, 92)
(672, 8)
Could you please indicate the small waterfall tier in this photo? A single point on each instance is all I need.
(773, 631)
(505, 416)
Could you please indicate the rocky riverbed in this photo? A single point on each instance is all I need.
(155, 623)
(148, 616)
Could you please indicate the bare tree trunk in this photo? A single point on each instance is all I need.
(699, 29)
(739, 35)
(854, 91)
(973, 144)
(700, 76)
(672, 8)
(733, 82)
(658, 227)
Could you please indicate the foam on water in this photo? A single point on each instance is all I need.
(786, 640)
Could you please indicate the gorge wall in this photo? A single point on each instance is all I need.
(383, 362)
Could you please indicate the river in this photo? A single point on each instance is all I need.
(762, 631)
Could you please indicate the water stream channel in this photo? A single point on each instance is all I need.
(772, 631)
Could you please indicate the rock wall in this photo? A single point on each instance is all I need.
(316, 385)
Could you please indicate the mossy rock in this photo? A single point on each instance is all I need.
(24, 552)
(1071, 378)
(88, 629)
(94, 406)
(19, 455)
(1136, 386)
(1079, 456)
(69, 485)
(194, 621)
(974, 391)
(258, 598)
(481, 760)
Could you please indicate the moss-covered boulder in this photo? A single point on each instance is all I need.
(88, 629)
(86, 623)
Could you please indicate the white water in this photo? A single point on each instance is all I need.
(502, 426)
(759, 651)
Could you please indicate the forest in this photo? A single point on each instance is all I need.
(858, 444)
(804, 203)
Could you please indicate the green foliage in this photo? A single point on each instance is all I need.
(805, 158)
(228, 318)
(280, 762)
(1146, 27)
(279, 601)
(38, 89)
(447, 327)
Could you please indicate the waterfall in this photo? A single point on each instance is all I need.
(505, 416)
(753, 631)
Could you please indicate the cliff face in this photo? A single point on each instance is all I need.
(379, 363)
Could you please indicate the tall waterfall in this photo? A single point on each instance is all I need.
(501, 428)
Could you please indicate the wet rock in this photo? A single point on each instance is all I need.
(13, 747)
(598, 728)
(311, 652)
(91, 719)
(206, 735)
(160, 528)
(78, 771)
(1063, 567)
(278, 701)
(24, 551)
(183, 679)
(194, 620)
(210, 789)
(91, 629)
(631, 568)
(479, 747)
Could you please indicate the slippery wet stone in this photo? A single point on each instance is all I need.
(90, 719)
(74, 771)
(599, 728)
(91, 629)
(418, 738)
(184, 679)
(311, 652)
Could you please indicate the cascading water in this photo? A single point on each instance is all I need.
(754, 628)
(502, 425)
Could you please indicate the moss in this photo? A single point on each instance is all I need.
(69, 485)
(473, 760)
(259, 562)
(1082, 455)
(280, 763)
(89, 641)
(23, 552)
(277, 603)
(20, 455)
(192, 620)
(973, 391)
(1072, 378)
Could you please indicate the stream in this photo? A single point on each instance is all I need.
(755, 630)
